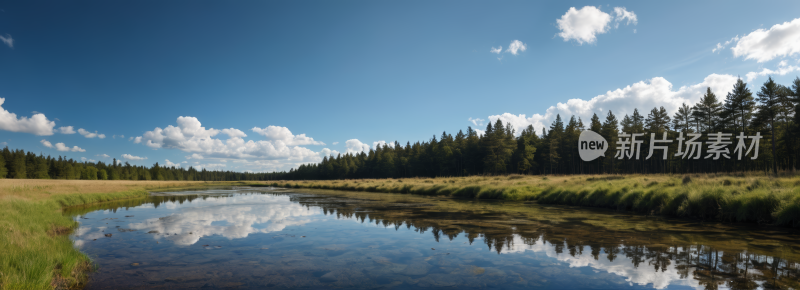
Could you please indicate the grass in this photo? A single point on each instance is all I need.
(36, 250)
(726, 198)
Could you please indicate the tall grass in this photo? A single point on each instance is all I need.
(727, 198)
(35, 250)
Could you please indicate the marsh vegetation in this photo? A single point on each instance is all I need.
(726, 198)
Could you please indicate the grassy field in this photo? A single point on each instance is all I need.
(37, 253)
(36, 250)
(727, 198)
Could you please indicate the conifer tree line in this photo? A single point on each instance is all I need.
(20, 164)
(769, 111)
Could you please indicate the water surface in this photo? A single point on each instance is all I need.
(253, 238)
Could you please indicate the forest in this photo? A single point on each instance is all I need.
(20, 164)
(770, 111)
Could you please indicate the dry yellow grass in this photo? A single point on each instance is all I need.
(40, 189)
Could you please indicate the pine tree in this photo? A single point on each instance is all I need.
(3, 170)
(767, 111)
(682, 120)
(707, 111)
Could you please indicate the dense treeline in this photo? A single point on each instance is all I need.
(21, 164)
(769, 112)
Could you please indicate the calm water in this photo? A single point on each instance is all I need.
(253, 238)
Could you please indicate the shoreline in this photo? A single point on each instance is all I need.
(34, 232)
(722, 198)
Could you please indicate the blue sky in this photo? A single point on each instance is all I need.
(347, 74)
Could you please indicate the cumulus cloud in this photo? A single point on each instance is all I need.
(328, 152)
(334, 143)
(66, 130)
(61, 146)
(37, 124)
(277, 133)
(381, 143)
(232, 218)
(194, 156)
(84, 159)
(477, 121)
(7, 40)
(763, 45)
(167, 163)
(643, 95)
(622, 14)
(131, 157)
(354, 146)
(88, 134)
(516, 46)
(103, 155)
(496, 50)
(622, 265)
(583, 25)
(190, 136)
(783, 69)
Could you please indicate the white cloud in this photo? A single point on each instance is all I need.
(623, 14)
(37, 124)
(194, 156)
(61, 146)
(84, 159)
(277, 133)
(583, 25)
(88, 134)
(721, 46)
(643, 95)
(497, 50)
(131, 157)
(516, 46)
(232, 218)
(103, 155)
(170, 164)
(119, 162)
(354, 146)
(477, 121)
(334, 143)
(190, 136)
(7, 40)
(381, 143)
(783, 69)
(67, 130)
(781, 40)
(234, 133)
(328, 152)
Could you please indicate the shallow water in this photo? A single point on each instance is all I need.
(252, 238)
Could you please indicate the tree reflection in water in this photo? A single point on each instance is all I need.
(642, 250)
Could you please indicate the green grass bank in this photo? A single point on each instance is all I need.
(725, 198)
(36, 250)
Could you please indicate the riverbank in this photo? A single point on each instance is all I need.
(726, 198)
(37, 251)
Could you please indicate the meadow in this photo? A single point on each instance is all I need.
(749, 198)
(38, 254)
(36, 250)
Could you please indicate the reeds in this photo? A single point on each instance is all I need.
(727, 198)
